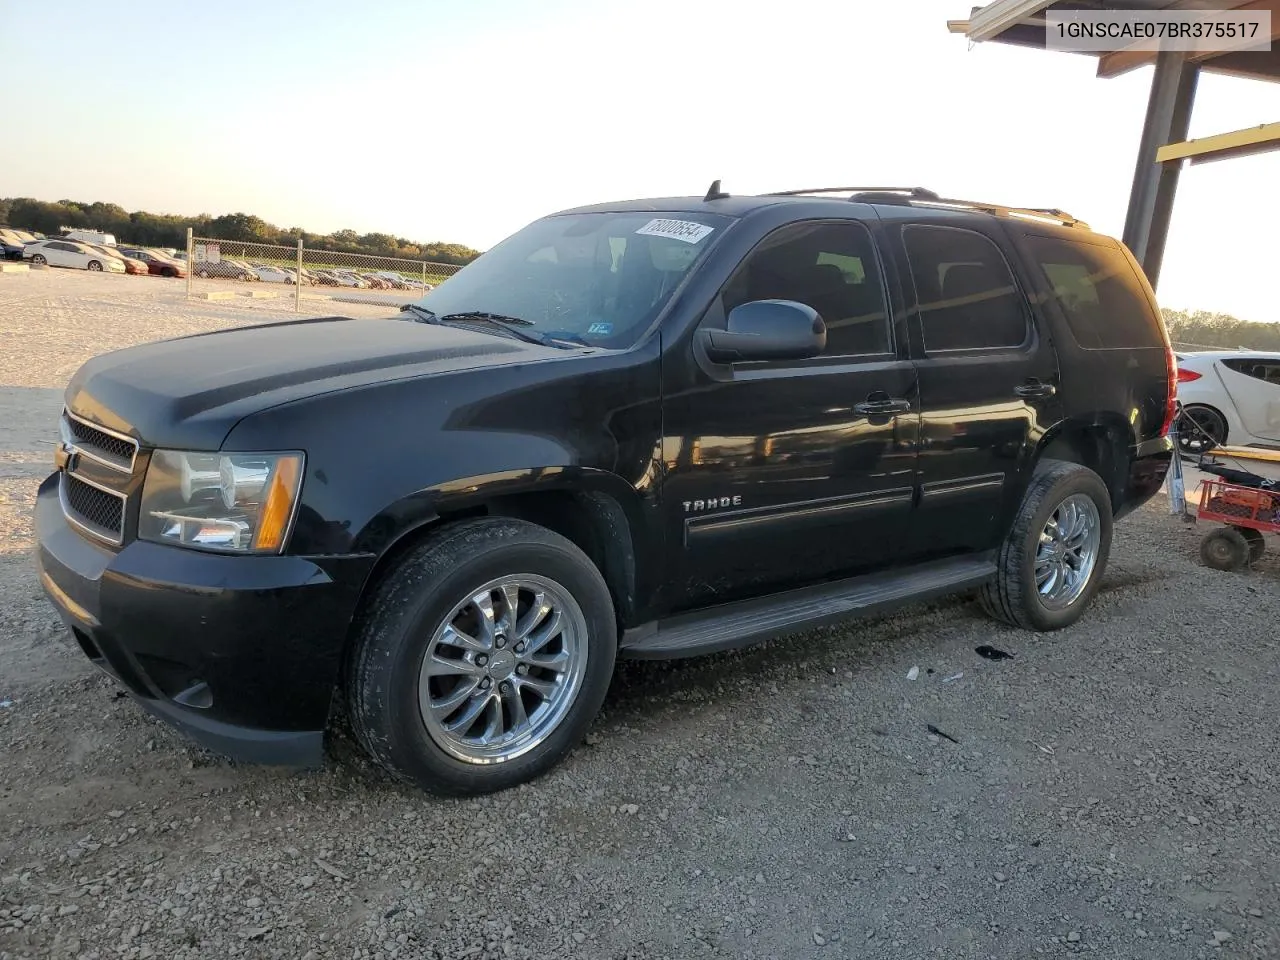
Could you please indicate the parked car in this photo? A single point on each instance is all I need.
(272, 274)
(355, 279)
(1228, 396)
(132, 266)
(374, 281)
(225, 269)
(12, 243)
(158, 263)
(66, 253)
(652, 429)
(396, 280)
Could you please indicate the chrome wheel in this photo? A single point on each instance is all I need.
(502, 671)
(1068, 551)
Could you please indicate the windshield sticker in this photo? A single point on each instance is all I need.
(600, 329)
(685, 230)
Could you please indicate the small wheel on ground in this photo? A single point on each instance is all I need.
(1051, 562)
(1200, 429)
(203, 274)
(481, 658)
(1224, 549)
(1257, 542)
(95, 266)
(38, 259)
(170, 272)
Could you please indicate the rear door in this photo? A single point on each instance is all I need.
(1254, 385)
(59, 253)
(988, 380)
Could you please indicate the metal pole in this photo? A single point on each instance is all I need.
(424, 276)
(1173, 89)
(297, 287)
(191, 261)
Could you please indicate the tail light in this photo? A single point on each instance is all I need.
(1171, 399)
(1186, 376)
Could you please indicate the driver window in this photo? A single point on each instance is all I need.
(831, 267)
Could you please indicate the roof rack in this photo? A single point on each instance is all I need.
(920, 192)
(1004, 210)
(909, 195)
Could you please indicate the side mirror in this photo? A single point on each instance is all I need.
(766, 330)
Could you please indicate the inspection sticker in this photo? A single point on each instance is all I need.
(685, 230)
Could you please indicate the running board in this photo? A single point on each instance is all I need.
(750, 621)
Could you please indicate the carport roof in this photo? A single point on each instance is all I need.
(1022, 23)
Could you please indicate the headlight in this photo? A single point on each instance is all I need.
(229, 502)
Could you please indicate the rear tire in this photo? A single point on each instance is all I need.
(1257, 543)
(1224, 549)
(425, 655)
(1051, 563)
(203, 274)
(38, 259)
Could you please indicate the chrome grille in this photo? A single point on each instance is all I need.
(93, 508)
(112, 449)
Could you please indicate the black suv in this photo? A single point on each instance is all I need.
(654, 428)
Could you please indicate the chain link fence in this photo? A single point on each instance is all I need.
(226, 269)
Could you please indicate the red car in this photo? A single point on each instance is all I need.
(157, 263)
(132, 265)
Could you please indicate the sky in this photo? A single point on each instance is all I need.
(462, 122)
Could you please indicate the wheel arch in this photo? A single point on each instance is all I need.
(597, 511)
(1101, 445)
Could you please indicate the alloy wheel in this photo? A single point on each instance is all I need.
(1067, 552)
(503, 669)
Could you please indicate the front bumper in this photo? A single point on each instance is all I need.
(241, 653)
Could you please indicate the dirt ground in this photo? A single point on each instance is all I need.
(1112, 790)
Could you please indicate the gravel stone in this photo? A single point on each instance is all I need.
(1162, 700)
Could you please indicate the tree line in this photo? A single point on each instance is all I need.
(1204, 328)
(170, 230)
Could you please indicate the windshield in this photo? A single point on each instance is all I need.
(599, 277)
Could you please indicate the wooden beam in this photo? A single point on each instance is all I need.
(1117, 62)
(1222, 146)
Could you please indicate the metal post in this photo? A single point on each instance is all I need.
(424, 276)
(191, 261)
(297, 287)
(1146, 225)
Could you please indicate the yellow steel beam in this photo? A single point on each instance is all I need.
(1237, 143)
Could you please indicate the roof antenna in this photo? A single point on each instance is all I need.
(715, 193)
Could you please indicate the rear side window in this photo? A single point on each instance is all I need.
(967, 296)
(1105, 305)
(1267, 370)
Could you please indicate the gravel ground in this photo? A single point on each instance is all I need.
(1110, 791)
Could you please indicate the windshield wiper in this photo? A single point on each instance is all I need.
(507, 324)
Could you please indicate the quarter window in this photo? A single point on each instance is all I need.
(967, 296)
(829, 266)
(1105, 305)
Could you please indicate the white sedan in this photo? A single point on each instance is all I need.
(273, 274)
(69, 253)
(1228, 397)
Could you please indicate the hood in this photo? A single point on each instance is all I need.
(187, 393)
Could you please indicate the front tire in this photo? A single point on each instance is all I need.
(481, 658)
(95, 266)
(1051, 562)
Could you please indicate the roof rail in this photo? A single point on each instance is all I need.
(910, 195)
(920, 192)
(998, 209)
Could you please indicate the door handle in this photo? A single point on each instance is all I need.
(1034, 389)
(881, 403)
